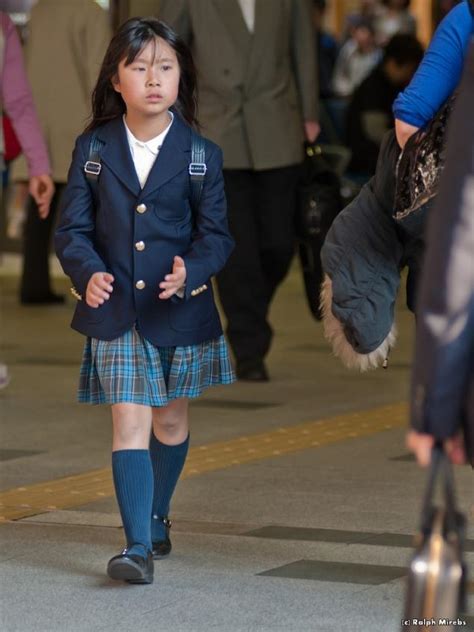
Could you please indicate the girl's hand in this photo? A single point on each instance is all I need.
(174, 281)
(99, 289)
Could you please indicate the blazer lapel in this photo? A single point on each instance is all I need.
(173, 157)
(116, 155)
(231, 16)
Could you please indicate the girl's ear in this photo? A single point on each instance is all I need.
(115, 83)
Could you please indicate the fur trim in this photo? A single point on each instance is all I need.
(334, 333)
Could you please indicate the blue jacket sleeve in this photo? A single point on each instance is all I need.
(440, 71)
(74, 238)
(212, 243)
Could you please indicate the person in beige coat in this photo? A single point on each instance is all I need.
(65, 47)
(257, 100)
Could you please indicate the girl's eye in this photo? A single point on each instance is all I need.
(142, 68)
(165, 67)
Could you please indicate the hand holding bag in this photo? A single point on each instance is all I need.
(437, 578)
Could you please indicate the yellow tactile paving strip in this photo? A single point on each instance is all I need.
(74, 491)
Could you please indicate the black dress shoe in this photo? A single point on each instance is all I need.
(252, 371)
(162, 548)
(132, 568)
(42, 299)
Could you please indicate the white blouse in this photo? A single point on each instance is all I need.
(144, 154)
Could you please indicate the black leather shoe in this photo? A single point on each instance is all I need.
(42, 299)
(162, 548)
(133, 569)
(252, 371)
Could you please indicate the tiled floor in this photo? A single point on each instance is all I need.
(296, 511)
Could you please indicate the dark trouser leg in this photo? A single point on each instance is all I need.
(241, 283)
(35, 281)
(276, 210)
(261, 212)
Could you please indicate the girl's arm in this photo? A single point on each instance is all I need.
(74, 237)
(438, 74)
(212, 243)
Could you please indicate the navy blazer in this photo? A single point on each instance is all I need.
(107, 238)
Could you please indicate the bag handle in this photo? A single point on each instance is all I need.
(440, 467)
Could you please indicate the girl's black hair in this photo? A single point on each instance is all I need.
(130, 39)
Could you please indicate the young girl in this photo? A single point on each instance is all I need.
(141, 255)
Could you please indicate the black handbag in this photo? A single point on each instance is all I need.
(419, 170)
(318, 203)
(436, 588)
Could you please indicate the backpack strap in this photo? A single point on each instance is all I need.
(197, 166)
(197, 169)
(93, 165)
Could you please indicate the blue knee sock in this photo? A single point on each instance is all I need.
(133, 480)
(168, 462)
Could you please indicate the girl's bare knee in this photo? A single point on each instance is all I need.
(171, 422)
(132, 424)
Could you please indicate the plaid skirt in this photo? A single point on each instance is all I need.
(131, 369)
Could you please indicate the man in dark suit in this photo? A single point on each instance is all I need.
(257, 100)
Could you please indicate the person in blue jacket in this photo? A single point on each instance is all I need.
(141, 253)
(366, 249)
(438, 76)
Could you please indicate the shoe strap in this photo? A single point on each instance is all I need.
(164, 519)
(127, 549)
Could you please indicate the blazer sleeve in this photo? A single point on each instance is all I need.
(176, 14)
(304, 58)
(74, 237)
(212, 243)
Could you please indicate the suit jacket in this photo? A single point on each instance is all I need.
(65, 48)
(134, 234)
(254, 89)
(443, 378)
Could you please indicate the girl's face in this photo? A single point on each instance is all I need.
(149, 85)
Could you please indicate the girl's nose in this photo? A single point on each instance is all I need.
(153, 80)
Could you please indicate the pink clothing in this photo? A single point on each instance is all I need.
(17, 101)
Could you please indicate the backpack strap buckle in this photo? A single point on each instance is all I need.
(92, 168)
(197, 169)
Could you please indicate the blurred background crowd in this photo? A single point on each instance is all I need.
(366, 51)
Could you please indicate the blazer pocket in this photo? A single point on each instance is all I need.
(176, 211)
(91, 314)
(193, 313)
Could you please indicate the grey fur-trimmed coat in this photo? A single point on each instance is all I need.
(363, 255)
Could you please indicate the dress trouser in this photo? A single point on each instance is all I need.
(261, 207)
(37, 233)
